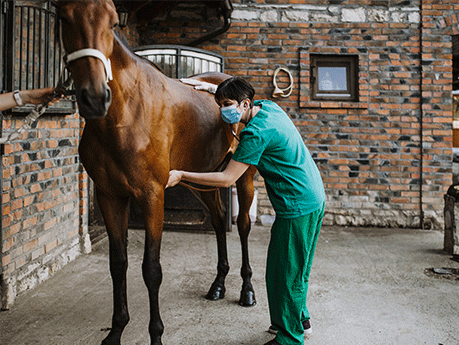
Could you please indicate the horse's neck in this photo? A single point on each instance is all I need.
(132, 73)
(125, 60)
(133, 80)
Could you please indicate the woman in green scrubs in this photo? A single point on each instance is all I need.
(271, 142)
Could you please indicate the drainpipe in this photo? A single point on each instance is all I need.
(421, 120)
(1, 220)
(227, 9)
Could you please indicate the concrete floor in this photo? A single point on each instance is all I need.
(368, 286)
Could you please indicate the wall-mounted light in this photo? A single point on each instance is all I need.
(123, 15)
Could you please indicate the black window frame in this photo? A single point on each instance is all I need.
(455, 47)
(350, 62)
(32, 56)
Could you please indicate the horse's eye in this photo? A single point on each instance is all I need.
(115, 25)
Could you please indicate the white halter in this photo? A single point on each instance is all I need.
(84, 53)
(94, 53)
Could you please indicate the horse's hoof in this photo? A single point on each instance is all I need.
(112, 339)
(247, 299)
(156, 341)
(110, 342)
(215, 293)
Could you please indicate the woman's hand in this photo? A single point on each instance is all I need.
(200, 85)
(175, 176)
(38, 96)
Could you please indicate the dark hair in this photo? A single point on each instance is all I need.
(235, 88)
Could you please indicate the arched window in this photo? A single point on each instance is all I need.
(180, 61)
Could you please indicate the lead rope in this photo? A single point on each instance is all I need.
(210, 189)
(39, 109)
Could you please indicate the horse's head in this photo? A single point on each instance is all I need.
(88, 35)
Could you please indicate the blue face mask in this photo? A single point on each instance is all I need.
(231, 114)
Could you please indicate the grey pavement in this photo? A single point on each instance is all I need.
(367, 286)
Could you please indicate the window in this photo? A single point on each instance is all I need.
(334, 77)
(32, 56)
(455, 40)
(192, 60)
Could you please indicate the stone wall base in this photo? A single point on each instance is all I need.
(34, 274)
(384, 218)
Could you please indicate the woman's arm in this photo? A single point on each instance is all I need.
(7, 101)
(36, 96)
(226, 178)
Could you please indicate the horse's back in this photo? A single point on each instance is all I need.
(211, 77)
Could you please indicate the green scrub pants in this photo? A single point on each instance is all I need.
(290, 253)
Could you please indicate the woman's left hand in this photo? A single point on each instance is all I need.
(175, 176)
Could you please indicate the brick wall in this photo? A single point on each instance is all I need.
(44, 202)
(368, 151)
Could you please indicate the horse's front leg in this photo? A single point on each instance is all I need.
(115, 213)
(152, 206)
(218, 218)
(245, 192)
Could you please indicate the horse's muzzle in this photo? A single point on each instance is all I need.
(93, 103)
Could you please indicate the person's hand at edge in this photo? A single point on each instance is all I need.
(38, 96)
(175, 176)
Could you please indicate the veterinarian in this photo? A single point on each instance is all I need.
(18, 98)
(271, 142)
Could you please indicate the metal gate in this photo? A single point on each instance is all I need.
(32, 56)
(180, 61)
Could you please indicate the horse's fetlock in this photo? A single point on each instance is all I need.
(246, 272)
(156, 330)
(223, 270)
(246, 286)
(120, 321)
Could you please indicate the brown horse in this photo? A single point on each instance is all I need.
(139, 126)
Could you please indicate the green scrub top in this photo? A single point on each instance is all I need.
(271, 143)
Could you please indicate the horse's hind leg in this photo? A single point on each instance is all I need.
(245, 192)
(115, 213)
(219, 223)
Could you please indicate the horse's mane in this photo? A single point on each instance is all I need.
(126, 45)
